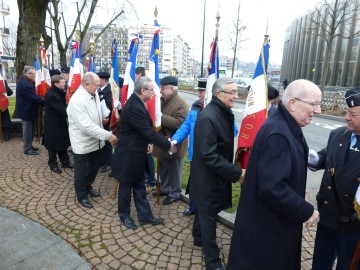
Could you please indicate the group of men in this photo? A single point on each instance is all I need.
(272, 207)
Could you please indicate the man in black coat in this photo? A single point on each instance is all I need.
(212, 170)
(339, 228)
(56, 133)
(27, 107)
(130, 159)
(272, 208)
(106, 95)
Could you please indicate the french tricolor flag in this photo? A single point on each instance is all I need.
(213, 69)
(114, 83)
(76, 70)
(42, 79)
(255, 109)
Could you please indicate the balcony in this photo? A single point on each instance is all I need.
(4, 9)
(5, 32)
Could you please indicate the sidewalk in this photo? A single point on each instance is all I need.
(47, 229)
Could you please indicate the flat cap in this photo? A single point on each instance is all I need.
(169, 80)
(201, 84)
(53, 72)
(352, 97)
(103, 75)
(65, 70)
(272, 92)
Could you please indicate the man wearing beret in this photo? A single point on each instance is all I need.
(339, 227)
(273, 93)
(174, 111)
(106, 95)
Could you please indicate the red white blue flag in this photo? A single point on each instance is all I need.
(76, 70)
(154, 105)
(129, 79)
(114, 82)
(213, 69)
(255, 109)
(42, 79)
(91, 63)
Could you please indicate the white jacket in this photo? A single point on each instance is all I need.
(85, 123)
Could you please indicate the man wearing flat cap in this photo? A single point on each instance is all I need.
(174, 111)
(339, 228)
(106, 95)
(273, 94)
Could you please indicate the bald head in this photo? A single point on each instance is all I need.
(91, 82)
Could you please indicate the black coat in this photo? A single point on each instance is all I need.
(107, 96)
(5, 115)
(56, 133)
(135, 133)
(347, 176)
(272, 208)
(212, 170)
(27, 102)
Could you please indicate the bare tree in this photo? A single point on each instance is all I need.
(9, 43)
(235, 37)
(330, 21)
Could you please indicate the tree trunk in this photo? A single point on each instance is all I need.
(326, 65)
(32, 15)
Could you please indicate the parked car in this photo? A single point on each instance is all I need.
(242, 83)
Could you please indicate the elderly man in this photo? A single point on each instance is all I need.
(272, 207)
(27, 107)
(339, 227)
(87, 136)
(212, 170)
(174, 111)
(130, 160)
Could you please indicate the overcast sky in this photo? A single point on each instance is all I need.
(186, 17)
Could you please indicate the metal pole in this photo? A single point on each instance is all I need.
(52, 41)
(202, 50)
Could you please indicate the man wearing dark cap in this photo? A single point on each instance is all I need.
(339, 227)
(65, 72)
(106, 95)
(273, 93)
(174, 111)
(187, 128)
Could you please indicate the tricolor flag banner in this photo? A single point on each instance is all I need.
(76, 70)
(37, 76)
(255, 109)
(114, 83)
(213, 70)
(129, 79)
(4, 101)
(154, 105)
(45, 73)
(2, 84)
(91, 63)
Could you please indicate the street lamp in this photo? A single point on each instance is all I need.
(48, 57)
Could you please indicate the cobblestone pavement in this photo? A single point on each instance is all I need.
(29, 187)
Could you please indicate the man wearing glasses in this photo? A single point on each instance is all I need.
(339, 228)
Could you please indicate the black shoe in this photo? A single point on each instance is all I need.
(161, 193)
(55, 169)
(129, 223)
(187, 212)
(152, 220)
(169, 200)
(69, 166)
(105, 169)
(94, 193)
(197, 243)
(34, 148)
(85, 203)
(31, 152)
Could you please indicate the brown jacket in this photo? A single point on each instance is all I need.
(174, 111)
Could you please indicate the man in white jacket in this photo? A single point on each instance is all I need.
(87, 136)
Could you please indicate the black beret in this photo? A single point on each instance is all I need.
(272, 92)
(201, 84)
(103, 75)
(169, 80)
(352, 97)
(53, 72)
(65, 70)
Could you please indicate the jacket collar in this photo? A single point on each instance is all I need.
(215, 100)
(294, 126)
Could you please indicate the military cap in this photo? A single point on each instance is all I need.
(169, 80)
(103, 75)
(53, 72)
(352, 97)
(272, 92)
(201, 84)
(65, 70)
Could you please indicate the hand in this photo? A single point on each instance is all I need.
(313, 220)
(117, 104)
(242, 177)
(113, 139)
(149, 148)
(313, 158)
(173, 148)
(105, 121)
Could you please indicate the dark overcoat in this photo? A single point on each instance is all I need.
(212, 170)
(347, 176)
(135, 133)
(272, 208)
(56, 132)
(27, 102)
(105, 94)
(5, 115)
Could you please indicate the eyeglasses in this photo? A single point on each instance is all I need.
(313, 104)
(351, 114)
(152, 89)
(232, 93)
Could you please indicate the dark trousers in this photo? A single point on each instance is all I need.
(141, 202)
(204, 231)
(333, 244)
(107, 152)
(63, 157)
(151, 180)
(86, 167)
(28, 131)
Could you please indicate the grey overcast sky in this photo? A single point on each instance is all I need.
(186, 18)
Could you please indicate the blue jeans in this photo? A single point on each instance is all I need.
(28, 132)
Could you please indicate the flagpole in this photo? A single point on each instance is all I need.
(203, 39)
